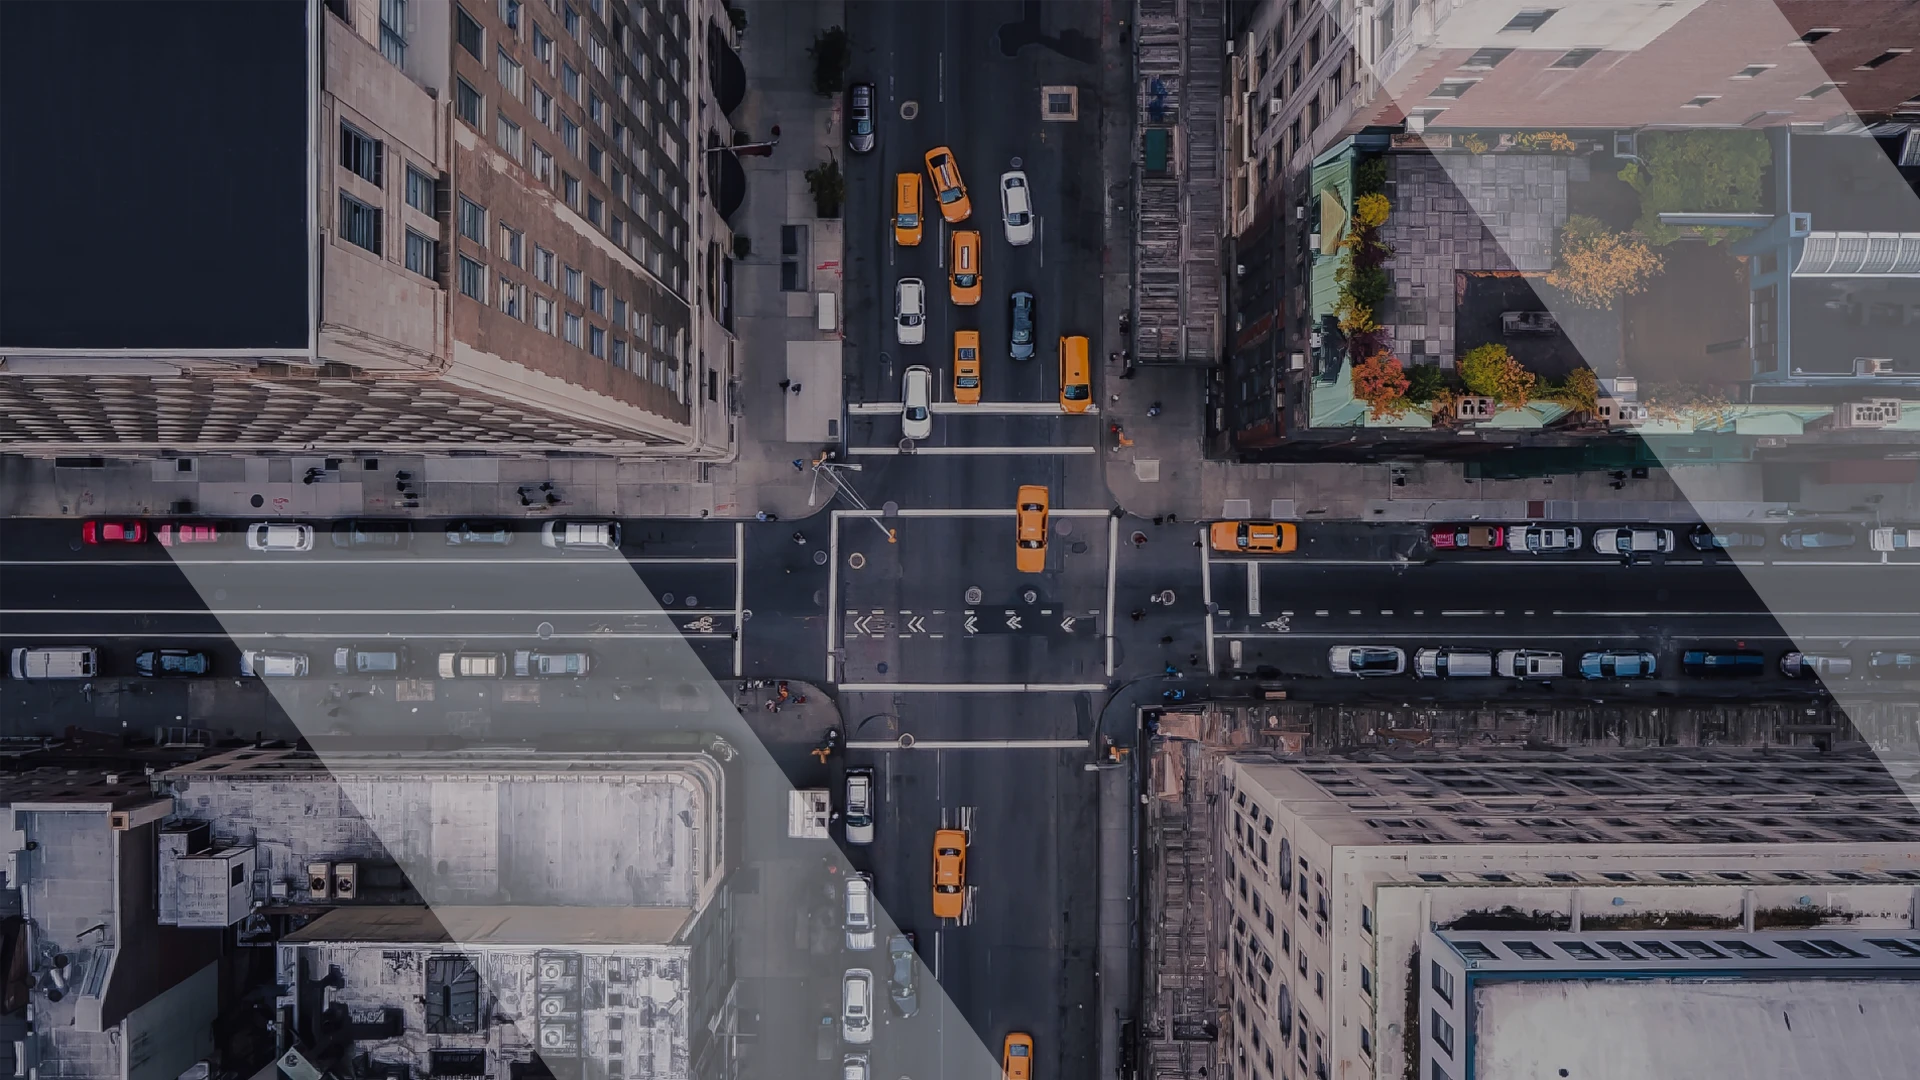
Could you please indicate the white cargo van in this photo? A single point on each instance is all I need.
(1453, 663)
(1529, 664)
(56, 662)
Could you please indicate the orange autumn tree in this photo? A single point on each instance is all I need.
(1492, 371)
(1382, 383)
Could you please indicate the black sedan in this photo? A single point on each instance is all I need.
(1819, 538)
(1706, 538)
(172, 663)
(1023, 317)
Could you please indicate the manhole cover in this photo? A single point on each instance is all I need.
(820, 558)
(974, 594)
(856, 560)
(909, 110)
(666, 598)
(692, 601)
(890, 508)
(1063, 527)
(906, 446)
(1030, 596)
(545, 630)
(1013, 163)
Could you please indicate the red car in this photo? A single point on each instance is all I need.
(1452, 537)
(188, 534)
(114, 532)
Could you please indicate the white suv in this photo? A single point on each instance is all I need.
(859, 916)
(258, 663)
(266, 536)
(910, 311)
(856, 1006)
(916, 404)
(1016, 207)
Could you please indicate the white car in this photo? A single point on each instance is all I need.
(1016, 207)
(1627, 541)
(859, 815)
(467, 665)
(856, 1006)
(1888, 538)
(1367, 661)
(859, 917)
(910, 311)
(266, 536)
(581, 535)
(916, 403)
(855, 1067)
(258, 663)
(1543, 539)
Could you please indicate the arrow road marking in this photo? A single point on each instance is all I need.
(1013, 621)
(973, 624)
(917, 624)
(1067, 624)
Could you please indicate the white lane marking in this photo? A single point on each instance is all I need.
(739, 597)
(984, 408)
(974, 744)
(1206, 597)
(1481, 611)
(833, 588)
(1008, 512)
(971, 688)
(383, 635)
(1113, 568)
(232, 613)
(968, 451)
(420, 560)
(1253, 585)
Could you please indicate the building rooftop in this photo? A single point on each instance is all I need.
(165, 204)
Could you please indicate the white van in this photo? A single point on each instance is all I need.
(582, 535)
(1529, 664)
(56, 662)
(1453, 663)
(859, 817)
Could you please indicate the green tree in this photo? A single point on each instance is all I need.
(1425, 382)
(1697, 172)
(828, 186)
(832, 56)
(1490, 370)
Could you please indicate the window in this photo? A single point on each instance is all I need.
(473, 279)
(510, 244)
(1442, 1031)
(543, 47)
(1701, 101)
(572, 289)
(1366, 1042)
(1818, 33)
(510, 13)
(362, 154)
(1751, 71)
(1487, 58)
(1452, 88)
(570, 134)
(1573, 58)
(393, 32)
(1313, 49)
(570, 80)
(597, 54)
(597, 342)
(513, 77)
(543, 314)
(1425, 117)
(419, 190)
(1438, 1073)
(570, 189)
(617, 229)
(1366, 918)
(1530, 19)
(510, 138)
(542, 106)
(596, 160)
(543, 264)
(1320, 984)
(467, 33)
(596, 210)
(542, 164)
(619, 353)
(423, 254)
(571, 329)
(1442, 982)
(359, 223)
(1883, 58)
(1821, 89)
(473, 221)
(510, 298)
(1366, 981)
(596, 109)
(467, 103)
(597, 297)
(572, 20)
(619, 312)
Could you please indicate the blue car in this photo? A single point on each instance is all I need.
(1618, 665)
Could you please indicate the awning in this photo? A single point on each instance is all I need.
(1333, 221)
(726, 181)
(724, 70)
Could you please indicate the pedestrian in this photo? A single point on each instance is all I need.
(1159, 519)
(1166, 639)
(797, 466)
(784, 383)
(1129, 371)
(1153, 409)
(1193, 659)
(796, 388)
(1172, 520)
(1136, 614)
(799, 537)
(761, 516)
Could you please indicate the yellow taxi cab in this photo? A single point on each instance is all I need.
(947, 185)
(949, 873)
(906, 209)
(1030, 529)
(966, 367)
(1016, 1057)
(1076, 387)
(965, 267)
(1278, 537)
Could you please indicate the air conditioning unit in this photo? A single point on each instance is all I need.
(319, 881)
(346, 880)
(1416, 124)
(1872, 365)
(1612, 411)
(1621, 387)
(1473, 407)
(1274, 106)
(1872, 413)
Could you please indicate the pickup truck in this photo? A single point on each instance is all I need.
(1888, 538)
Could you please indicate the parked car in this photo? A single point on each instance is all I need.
(268, 536)
(1628, 541)
(1706, 663)
(859, 920)
(1528, 322)
(910, 311)
(392, 534)
(1888, 538)
(54, 662)
(904, 989)
(1799, 665)
(353, 660)
(480, 534)
(173, 663)
(1892, 665)
(1543, 539)
(1016, 207)
(272, 664)
(187, 533)
(1242, 537)
(856, 1006)
(1529, 664)
(1451, 663)
(581, 535)
(1707, 538)
(1022, 319)
(860, 125)
(1367, 660)
(468, 665)
(1619, 664)
(1478, 537)
(916, 402)
(856, 1067)
(858, 817)
(533, 663)
(114, 532)
(1819, 538)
